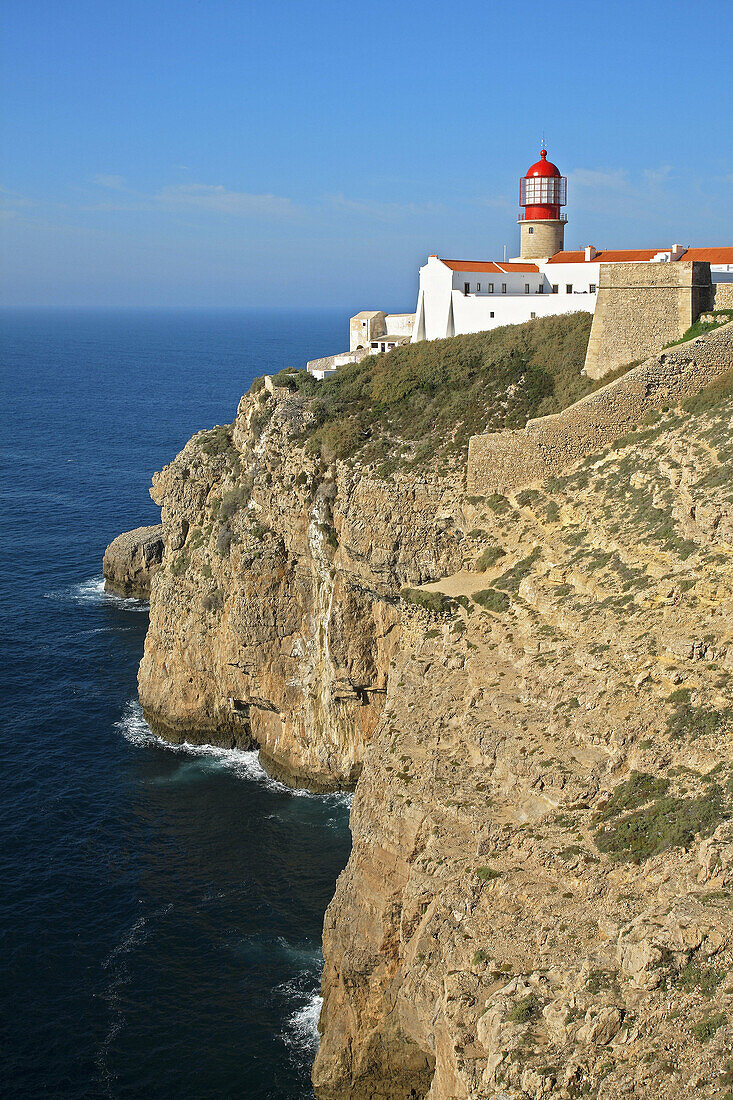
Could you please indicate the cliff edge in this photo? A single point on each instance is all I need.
(534, 690)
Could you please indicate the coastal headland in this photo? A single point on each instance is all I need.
(496, 597)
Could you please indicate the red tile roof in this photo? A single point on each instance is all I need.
(489, 265)
(712, 255)
(631, 255)
(606, 256)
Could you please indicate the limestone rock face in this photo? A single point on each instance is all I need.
(273, 620)
(132, 559)
(538, 900)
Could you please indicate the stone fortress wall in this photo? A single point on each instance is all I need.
(723, 296)
(641, 307)
(501, 462)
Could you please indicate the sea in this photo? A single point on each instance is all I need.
(160, 908)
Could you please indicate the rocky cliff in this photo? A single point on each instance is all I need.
(273, 617)
(536, 691)
(539, 900)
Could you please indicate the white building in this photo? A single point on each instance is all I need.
(462, 296)
(458, 296)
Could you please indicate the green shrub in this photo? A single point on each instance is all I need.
(705, 979)
(639, 789)
(492, 600)
(224, 540)
(498, 504)
(180, 563)
(667, 822)
(435, 602)
(705, 1028)
(511, 580)
(213, 601)
(236, 498)
(525, 1009)
(488, 557)
(217, 441)
(692, 722)
(487, 874)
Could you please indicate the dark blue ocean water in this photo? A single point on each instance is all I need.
(160, 910)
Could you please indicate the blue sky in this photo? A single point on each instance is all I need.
(222, 153)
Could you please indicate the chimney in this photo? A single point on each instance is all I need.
(590, 253)
(677, 251)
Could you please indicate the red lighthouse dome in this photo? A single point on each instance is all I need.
(542, 191)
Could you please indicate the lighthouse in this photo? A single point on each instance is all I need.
(542, 191)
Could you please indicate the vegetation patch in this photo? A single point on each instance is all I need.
(438, 393)
(721, 317)
(213, 601)
(492, 600)
(236, 498)
(667, 822)
(718, 391)
(690, 722)
(525, 1009)
(435, 602)
(702, 979)
(217, 441)
(180, 563)
(511, 580)
(636, 791)
(705, 1028)
(488, 557)
(487, 874)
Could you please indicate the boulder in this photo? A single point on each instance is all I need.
(132, 559)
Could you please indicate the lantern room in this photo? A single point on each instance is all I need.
(543, 190)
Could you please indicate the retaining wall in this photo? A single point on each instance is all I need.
(501, 462)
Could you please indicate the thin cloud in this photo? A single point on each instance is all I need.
(655, 177)
(218, 199)
(115, 183)
(382, 211)
(615, 179)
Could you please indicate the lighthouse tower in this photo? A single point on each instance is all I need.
(541, 225)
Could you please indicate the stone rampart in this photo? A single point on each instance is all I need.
(508, 461)
(641, 307)
(723, 296)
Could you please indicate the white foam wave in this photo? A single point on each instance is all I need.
(243, 762)
(92, 592)
(301, 1032)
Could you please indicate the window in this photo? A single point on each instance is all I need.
(491, 288)
(503, 288)
(530, 229)
(533, 315)
(541, 288)
(466, 288)
(375, 344)
(478, 288)
(491, 314)
(592, 288)
(555, 288)
(526, 288)
(568, 288)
